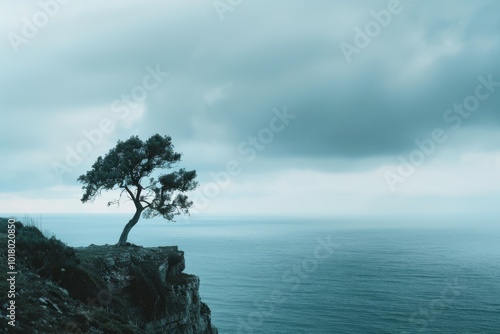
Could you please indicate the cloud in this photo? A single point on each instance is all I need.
(227, 76)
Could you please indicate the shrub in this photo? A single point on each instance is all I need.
(47, 256)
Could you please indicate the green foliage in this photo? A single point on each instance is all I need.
(4, 224)
(127, 163)
(129, 167)
(165, 203)
(46, 256)
(82, 283)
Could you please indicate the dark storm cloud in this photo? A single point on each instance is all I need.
(227, 76)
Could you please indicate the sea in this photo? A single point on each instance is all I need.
(279, 275)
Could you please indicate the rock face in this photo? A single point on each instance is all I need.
(100, 289)
(150, 282)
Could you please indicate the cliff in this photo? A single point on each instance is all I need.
(100, 289)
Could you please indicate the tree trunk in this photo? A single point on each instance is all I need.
(123, 238)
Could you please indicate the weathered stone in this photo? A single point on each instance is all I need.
(152, 283)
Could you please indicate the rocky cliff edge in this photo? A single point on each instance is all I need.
(99, 289)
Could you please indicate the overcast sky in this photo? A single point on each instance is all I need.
(319, 107)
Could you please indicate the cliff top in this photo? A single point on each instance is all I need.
(100, 289)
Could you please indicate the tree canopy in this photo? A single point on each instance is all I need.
(130, 167)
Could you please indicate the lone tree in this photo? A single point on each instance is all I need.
(129, 167)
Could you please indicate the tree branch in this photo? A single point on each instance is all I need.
(131, 194)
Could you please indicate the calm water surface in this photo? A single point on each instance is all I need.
(282, 276)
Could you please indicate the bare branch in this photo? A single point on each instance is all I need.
(130, 193)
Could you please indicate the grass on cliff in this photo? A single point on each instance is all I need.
(46, 271)
(57, 286)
